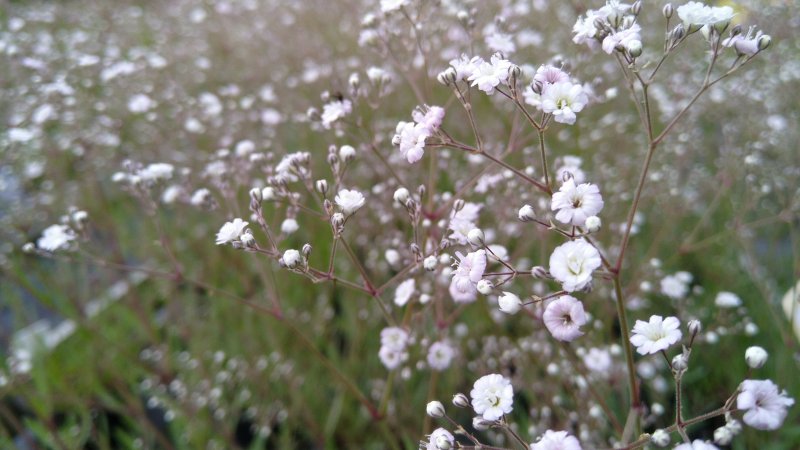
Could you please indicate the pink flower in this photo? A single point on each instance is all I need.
(466, 276)
(765, 405)
(564, 317)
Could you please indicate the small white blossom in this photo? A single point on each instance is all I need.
(349, 201)
(574, 203)
(509, 303)
(556, 440)
(440, 439)
(440, 355)
(488, 75)
(231, 231)
(289, 226)
(572, 264)
(55, 237)
(292, 258)
(563, 100)
(492, 396)
(335, 110)
(656, 335)
(697, 444)
(727, 300)
(755, 357)
(563, 318)
(404, 292)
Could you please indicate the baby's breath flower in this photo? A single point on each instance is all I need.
(231, 231)
(656, 335)
(492, 396)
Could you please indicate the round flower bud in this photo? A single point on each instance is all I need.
(256, 195)
(660, 438)
(475, 237)
(447, 76)
(443, 443)
(593, 224)
(755, 357)
(526, 213)
(540, 273)
(430, 263)
(764, 41)
(723, 436)
(307, 249)
(481, 424)
(268, 193)
(337, 220)
(347, 153)
(680, 363)
(292, 258)
(635, 48)
(461, 400)
(248, 240)
(485, 287)
(29, 247)
(734, 426)
(435, 409)
(509, 303)
(322, 186)
(401, 195)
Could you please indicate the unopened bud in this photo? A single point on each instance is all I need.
(347, 153)
(635, 48)
(593, 224)
(737, 30)
(481, 424)
(636, 8)
(322, 186)
(435, 409)
(540, 273)
(447, 76)
(509, 303)
(291, 259)
(660, 438)
(526, 213)
(680, 363)
(485, 287)
(755, 357)
(677, 33)
(723, 436)
(763, 42)
(695, 327)
(458, 205)
(734, 426)
(29, 247)
(476, 237)
(337, 220)
(667, 12)
(401, 195)
(307, 249)
(430, 263)
(537, 87)
(268, 193)
(443, 443)
(354, 81)
(313, 114)
(460, 400)
(256, 195)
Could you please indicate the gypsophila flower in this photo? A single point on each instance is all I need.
(746, 45)
(574, 203)
(349, 201)
(292, 258)
(572, 264)
(465, 66)
(469, 272)
(388, 6)
(404, 292)
(585, 30)
(571, 165)
(509, 303)
(727, 300)
(563, 100)
(765, 406)
(598, 360)
(674, 286)
(488, 75)
(231, 231)
(463, 221)
(563, 318)
(440, 439)
(335, 110)
(622, 38)
(393, 347)
(697, 445)
(410, 137)
(289, 226)
(695, 15)
(755, 357)
(492, 396)
(548, 74)
(556, 440)
(440, 355)
(656, 335)
(156, 171)
(55, 237)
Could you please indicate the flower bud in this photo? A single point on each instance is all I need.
(447, 76)
(680, 363)
(401, 195)
(322, 186)
(481, 424)
(763, 42)
(695, 327)
(248, 240)
(29, 247)
(509, 303)
(268, 194)
(347, 153)
(291, 259)
(660, 438)
(526, 213)
(460, 400)
(430, 263)
(593, 224)
(354, 81)
(635, 48)
(667, 11)
(755, 357)
(723, 436)
(737, 30)
(677, 33)
(337, 220)
(307, 249)
(475, 237)
(540, 273)
(458, 205)
(485, 287)
(734, 426)
(435, 409)
(443, 443)
(636, 8)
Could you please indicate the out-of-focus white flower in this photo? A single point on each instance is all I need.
(404, 292)
(156, 171)
(469, 272)
(695, 15)
(598, 360)
(292, 258)
(509, 303)
(488, 75)
(388, 6)
(335, 110)
(440, 355)
(727, 300)
(410, 136)
(574, 203)
(393, 347)
(55, 237)
(572, 264)
(465, 66)
(585, 30)
(656, 335)
(289, 226)
(755, 357)
(492, 396)
(463, 221)
(622, 38)
(231, 231)
(571, 164)
(697, 444)
(349, 201)
(765, 406)
(556, 440)
(674, 287)
(563, 100)
(746, 45)
(140, 103)
(563, 318)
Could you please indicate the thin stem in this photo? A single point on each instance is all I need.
(626, 345)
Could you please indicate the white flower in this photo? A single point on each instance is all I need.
(500, 42)
(440, 439)
(695, 15)
(755, 357)
(622, 38)
(547, 74)
(563, 318)
(766, 407)
(231, 231)
(727, 300)
(292, 258)
(584, 29)
(388, 6)
(465, 66)
(440, 355)
(469, 272)
(575, 203)
(335, 110)
(156, 171)
(349, 201)
(489, 75)
(140, 103)
(747, 45)
(697, 445)
(598, 360)
(563, 100)
(656, 335)
(289, 226)
(394, 337)
(404, 292)
(556, 440)
(392, 358)
(571, 164)
(411, 136)
(674, 286)
(572, 264)
(509, 303)
(55, 237)
(492, 396)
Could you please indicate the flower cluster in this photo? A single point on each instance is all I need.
(410, 137)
